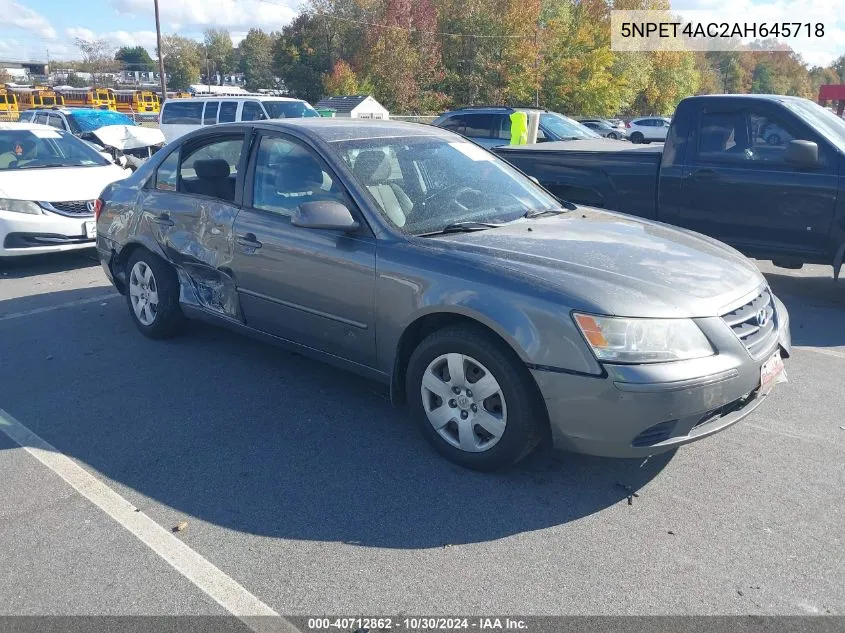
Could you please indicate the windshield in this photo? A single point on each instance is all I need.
(32, 149)
(424, 184)
(565, 128)
(91, 120)
(822, 120)
(289, 109)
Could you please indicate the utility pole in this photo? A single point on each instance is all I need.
(160, 55)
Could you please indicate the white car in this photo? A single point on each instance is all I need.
(180, 116)
(49, 184)
(648, 129)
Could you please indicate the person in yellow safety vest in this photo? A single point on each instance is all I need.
(519, 128)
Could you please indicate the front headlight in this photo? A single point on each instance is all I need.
(622, 340)
(19, 206)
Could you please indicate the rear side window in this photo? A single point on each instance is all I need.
(41, 118)
(228, 111)
(182, 112)
(210, 116)
(478, 125)
(455, 123)
(55, 121)
(211, 169)
(167, 173)
(252, 112)
(26, 117)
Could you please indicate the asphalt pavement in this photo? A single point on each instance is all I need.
(307, 492)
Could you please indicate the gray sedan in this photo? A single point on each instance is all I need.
(500, 315)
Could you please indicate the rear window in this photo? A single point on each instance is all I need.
(182, 112)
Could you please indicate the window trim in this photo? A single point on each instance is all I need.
(248, 187)
(152, 182)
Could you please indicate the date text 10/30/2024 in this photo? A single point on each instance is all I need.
(416, 624)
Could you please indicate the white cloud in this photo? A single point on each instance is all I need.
(237, 15)
(18, 16)
(147, 39)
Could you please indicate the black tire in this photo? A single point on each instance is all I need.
(168, 318)
(612, 135)
(526, 413)
(637, 137)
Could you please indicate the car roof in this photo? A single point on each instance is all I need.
(332, 130)
(225, 97)
(25, 126)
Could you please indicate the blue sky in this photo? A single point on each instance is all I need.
(32, 28)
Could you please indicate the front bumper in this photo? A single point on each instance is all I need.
(25, 234)
(642, 410)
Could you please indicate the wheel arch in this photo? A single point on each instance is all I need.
(435, 320)
(120, 258)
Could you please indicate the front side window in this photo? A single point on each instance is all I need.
(289, 109)
(424, 184)
(252, 112)
(211, 169)
(288, 174)
(182, 112)
(753, 137)
(41, 118)
(54, 120)
(564, 128)
(454, 123)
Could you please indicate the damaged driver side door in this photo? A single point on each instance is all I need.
(190, 211)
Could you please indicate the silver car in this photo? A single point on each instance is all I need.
(500, 315)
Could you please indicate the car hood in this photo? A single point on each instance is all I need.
(615, 264)
(126, 137)
(60, 183)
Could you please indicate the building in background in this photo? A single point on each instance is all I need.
(354, 107)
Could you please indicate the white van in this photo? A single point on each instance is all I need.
(180, 116)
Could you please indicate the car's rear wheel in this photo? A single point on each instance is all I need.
(474, 400)
(773, 139)
(152, 292)
(637, 137)
(612, 135)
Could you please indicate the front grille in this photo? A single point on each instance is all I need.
(754, 323)
(71, 208)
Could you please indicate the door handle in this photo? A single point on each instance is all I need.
(705, 174)
(163, 219)
(248, 240)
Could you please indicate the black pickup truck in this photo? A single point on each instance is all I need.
(763, 173)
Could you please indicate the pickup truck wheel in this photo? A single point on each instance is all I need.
(473, 399)
(152, 293)
(637, 137)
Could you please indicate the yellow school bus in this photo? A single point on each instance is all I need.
(8, 104)
(137, 101)
(37, 97)
(89, 97)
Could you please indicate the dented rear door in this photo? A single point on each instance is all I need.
(191, 212)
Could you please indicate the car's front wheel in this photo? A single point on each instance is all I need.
(473, 398)
(637, 137)
(152, 292)
(612, 135)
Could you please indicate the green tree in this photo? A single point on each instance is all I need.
(838, 66)
(76, 81)
(135, 59)
(256, 52)
(217, 45)
(181, 61)
(343, 81)
(762, 81)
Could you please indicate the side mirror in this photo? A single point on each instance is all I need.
(802, 153)
(325, 214)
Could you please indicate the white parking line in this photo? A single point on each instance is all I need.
(221, 588)
(69, 304)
